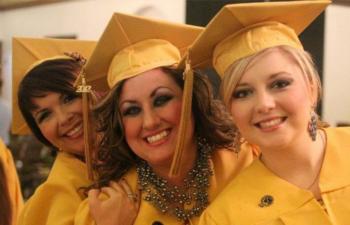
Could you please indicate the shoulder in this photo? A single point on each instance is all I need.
(338, 140)
(241, 200)
(228, 164)
(336, 134)
(5, 154)
(59, 196)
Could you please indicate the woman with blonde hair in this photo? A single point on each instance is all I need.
(271, 87)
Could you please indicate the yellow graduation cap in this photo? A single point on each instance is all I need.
(29, 52)
(240, 30)
(131, 45)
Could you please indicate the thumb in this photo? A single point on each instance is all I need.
(93, 198)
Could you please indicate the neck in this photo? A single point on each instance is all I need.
(187, 163)
(299, 163)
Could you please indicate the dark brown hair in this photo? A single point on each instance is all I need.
(5, 203)
(55, 75)
(115, 157)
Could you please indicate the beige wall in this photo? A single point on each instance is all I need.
(336, 99)
(85, 19)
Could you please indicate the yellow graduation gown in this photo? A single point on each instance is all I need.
(239, 203)
(12, 181)
(56, 200)
(225, 165)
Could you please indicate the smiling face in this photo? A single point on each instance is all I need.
(60, 120)
(272, 102)
(150, 105)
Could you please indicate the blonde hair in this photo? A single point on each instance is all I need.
(235, 72)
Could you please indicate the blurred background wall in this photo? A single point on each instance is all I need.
(328, 39)
(85, 19)
(336, 82)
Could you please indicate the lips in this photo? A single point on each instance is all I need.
(270, 123)
(157, 137)
(75, 132)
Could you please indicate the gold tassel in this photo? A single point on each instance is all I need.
(85, 91)
(186, 113)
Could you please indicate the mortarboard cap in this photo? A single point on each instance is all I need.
(132, 44)
(240, 30)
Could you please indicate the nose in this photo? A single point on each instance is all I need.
(64, 117)
(151, 119)
(265, 102)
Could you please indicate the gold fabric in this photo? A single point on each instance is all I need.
(225, 165)
(30, 52)
(239, 202)
(12, 181)
(131, 45)
(240, 30)
(55, 202)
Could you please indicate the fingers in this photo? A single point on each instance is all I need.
(119, 189)
(93, 193)
(110, 192)
(124, 184)
(93, 200)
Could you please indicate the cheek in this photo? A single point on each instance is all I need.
(78, 105)
(48, 131)
(239, 112)
(131, 128)
(173, 111)
(297, 101)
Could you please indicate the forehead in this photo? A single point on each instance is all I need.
(147, 82)
(272, 61)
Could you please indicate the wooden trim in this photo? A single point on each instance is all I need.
(341, 2)
(15, 4)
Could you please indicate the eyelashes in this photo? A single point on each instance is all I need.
(46, 112)
(277, 85)
(134, 109)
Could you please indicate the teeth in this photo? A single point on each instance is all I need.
(157, 137)
(74, 131)
(270, 123)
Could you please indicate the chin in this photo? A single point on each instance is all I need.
(160, 161)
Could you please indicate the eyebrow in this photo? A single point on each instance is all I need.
(271, 77)
(153, 93)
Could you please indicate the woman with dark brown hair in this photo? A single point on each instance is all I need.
(150, 117)
(52, 110)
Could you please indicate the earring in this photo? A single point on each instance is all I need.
(312, 126)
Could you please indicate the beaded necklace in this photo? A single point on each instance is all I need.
(182, 202)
